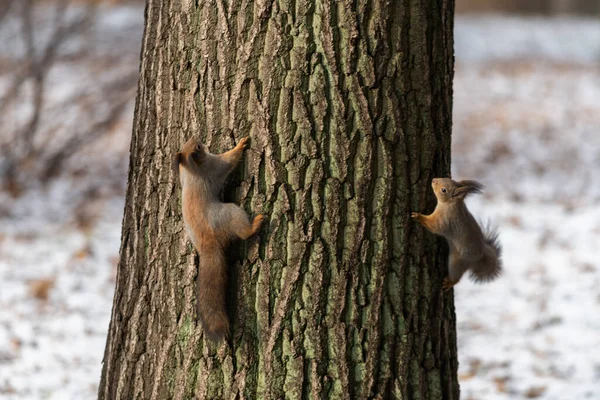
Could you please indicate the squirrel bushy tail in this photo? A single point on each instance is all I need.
(211, 288)
(490, 267)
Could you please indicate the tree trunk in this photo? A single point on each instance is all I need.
(348, 107)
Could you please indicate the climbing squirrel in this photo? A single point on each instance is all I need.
(211, 225)
(470, 248)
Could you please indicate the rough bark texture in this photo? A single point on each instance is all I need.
(348, 107)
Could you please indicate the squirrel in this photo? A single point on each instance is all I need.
(470, 247)
(211, 225)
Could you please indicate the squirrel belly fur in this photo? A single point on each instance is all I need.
(211, 225)
(471, 249)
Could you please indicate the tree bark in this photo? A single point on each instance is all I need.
(348, 106)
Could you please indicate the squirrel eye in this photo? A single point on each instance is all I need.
(198, 146)
(443, 190)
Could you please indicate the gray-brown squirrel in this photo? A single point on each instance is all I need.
(470, 248)
(211, 225)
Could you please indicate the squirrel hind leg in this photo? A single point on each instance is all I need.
(238, 224)
(456, 268)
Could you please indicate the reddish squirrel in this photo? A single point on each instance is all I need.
(470, 248)
(210, 225)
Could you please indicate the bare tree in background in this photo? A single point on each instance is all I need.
(45, 29)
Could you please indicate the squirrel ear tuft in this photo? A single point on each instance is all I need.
(465, 188)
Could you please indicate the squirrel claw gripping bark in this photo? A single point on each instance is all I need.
(447, 284)
(243, 143)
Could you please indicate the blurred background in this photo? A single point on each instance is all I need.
(526, 121)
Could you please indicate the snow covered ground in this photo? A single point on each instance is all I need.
(51, 348)
(527, 98)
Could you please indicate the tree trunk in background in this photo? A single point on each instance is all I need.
(348, 107)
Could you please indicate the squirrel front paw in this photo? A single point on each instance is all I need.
(243, 143)
(414, 215)
(258, 219)
(257, 222)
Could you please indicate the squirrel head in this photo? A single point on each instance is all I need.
(446, 190)
(190, 157)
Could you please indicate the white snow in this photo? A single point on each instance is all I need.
(52, 349)
(537, 326)
(526, 124)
